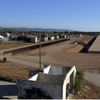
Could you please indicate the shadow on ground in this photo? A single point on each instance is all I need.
(7, 91)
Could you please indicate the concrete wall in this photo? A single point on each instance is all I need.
(56, 70)
(66, 81)
(54, 90)
(34, 40)
(34, 72)
(45, 39)
(52, 81)
(50, 78)
(52, 38)
(56, 37)
(70, 78)
(46, 69)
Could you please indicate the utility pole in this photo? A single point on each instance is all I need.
(40, 53)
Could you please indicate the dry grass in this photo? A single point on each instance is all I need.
(93, 93)
(14, 70)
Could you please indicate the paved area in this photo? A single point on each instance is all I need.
(19, 61)
(92, 77)
(8, 90)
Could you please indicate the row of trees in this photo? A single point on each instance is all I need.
(66, 32)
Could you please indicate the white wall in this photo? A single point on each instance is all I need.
(52, 38)
(67, 80)
(34, 40)
(45, 39)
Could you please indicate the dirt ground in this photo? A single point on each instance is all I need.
(14, 70)
(92, 93)
(58, 54)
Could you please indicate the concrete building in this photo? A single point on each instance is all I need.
(56, 81)
(14, 37)
(33, 38)
(4, 38)
(56, 37)
(52, 38)
(1, 38)
(64, 36)
(44, 39)
(8, 34)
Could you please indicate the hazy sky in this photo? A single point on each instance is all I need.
(81, 15)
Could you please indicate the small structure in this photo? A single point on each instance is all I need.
(52, 38)
(4, 38)
(56, 37)
(14, 37)
(22, 37)
(1, 38)
(63, 36)
(79, 35)
(33, 38)
(56, 81)
(44, 39)
(8, 34)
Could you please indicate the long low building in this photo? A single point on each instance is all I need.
(95, 47)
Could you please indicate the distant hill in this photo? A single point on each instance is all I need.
(34, 29)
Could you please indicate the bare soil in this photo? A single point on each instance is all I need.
(14, 70)
(93, 93)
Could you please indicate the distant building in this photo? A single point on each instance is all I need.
(1, 38)
(33, 38)
(56, 37)
(63, 36)
(79, 35)
(22, 37)
(52, 38)
(44, 39)
(8, 34)
(14, 37)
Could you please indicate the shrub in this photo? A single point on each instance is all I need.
(78, 79)
(6, 78)
(80, 75)
(77, 85)
(35, 93)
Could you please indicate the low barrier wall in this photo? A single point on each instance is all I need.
(24, 49)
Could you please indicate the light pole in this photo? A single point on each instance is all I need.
(40, 52)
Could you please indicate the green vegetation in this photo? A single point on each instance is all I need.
(4, 45)
(7, 78)
(43, 32)
(78, 79)
(35, 93)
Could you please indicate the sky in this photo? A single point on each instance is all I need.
(78, 15)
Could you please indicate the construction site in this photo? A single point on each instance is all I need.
(73, 51)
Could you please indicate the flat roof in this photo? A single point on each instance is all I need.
(95, 47)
